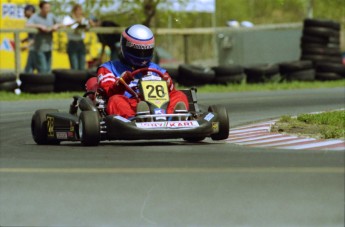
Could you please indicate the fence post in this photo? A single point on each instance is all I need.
(185, 47)
(17, 53)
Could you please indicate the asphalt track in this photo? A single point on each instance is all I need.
(172, 183)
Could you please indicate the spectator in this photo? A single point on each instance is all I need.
(110, 40)
(46, 23)
(29, 10)
(75, 47)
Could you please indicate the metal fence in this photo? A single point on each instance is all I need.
(212, 46)
(176, 41)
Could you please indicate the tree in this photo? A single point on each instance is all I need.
(149, 9)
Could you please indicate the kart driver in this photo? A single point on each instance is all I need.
(136, 51)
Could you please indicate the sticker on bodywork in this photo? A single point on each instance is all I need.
(61, 135)
(50, 126)
(71, 126)
(122, 119)
(215, 126)
(209, 116)
(70, 134)
(168, 124)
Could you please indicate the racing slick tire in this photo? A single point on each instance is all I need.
(89, 128)
(223, 119)
(39, 127)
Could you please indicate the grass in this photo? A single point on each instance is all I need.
(271, 86)
(9, 96)
(327, 125)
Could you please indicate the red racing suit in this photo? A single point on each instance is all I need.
(122, 103)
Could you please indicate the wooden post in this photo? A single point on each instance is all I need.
(185, 47)
(17, 53)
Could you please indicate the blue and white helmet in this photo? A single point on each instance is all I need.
(137, 45)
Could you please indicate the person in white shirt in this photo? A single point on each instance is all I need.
(76, 47)
(46, 23)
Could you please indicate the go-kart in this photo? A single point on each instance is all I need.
(88, 122)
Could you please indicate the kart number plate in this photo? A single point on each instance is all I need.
(155, 92)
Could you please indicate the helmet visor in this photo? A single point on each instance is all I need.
(141, 53)
(138, 50)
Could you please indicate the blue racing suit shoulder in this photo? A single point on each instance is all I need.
(116, 67)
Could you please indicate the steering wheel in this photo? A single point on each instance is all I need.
(134, 73)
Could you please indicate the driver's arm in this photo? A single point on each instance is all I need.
(110, 83)
(169, 81)
(106, 81)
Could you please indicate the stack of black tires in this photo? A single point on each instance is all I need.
(320, 44)
(8, 81)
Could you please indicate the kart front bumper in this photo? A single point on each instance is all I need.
(121, 129)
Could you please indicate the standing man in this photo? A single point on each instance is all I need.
(110, 40)
(29, 10)
(76, 47)
(46, 23)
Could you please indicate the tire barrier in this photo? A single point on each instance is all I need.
(320, 59)
(263, 73)
(173, 72)
(37, 83)
(330, 71)
(302, 75)
(37, 88)
(229, 74)
(190, 75)
(60, 80)
(8, 81)
(8, 86)
(71, 80)
(41, 79)
(327, 76)
(320, 41)
(297, 71)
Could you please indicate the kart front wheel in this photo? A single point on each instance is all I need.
(223, 122)
(89, 128)
(39, 126)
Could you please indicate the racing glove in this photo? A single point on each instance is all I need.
(126, 77)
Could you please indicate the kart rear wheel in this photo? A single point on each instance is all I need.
(39, 127)
(223, 119)
(89, 128)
